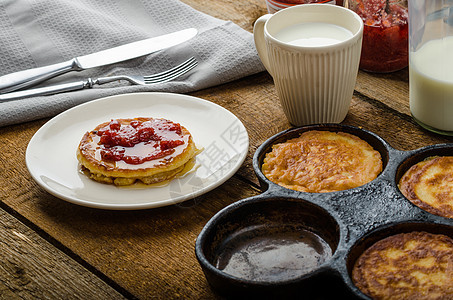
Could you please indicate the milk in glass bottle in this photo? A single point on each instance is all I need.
(431, 64)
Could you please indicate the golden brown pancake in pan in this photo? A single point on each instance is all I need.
(124, 151)
(322, 161)
(429, 185)
(416, 265)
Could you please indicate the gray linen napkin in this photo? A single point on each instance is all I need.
(41, 32)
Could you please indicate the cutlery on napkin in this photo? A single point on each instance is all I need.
(164, 76)
(25, 78)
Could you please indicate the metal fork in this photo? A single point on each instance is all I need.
(165, 76)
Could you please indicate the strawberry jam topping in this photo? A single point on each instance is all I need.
(139, 141)
(385, 35)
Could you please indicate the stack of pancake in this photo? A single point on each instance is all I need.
(169, 161)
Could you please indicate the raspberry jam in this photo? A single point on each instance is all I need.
(137, 141)
(385, 34)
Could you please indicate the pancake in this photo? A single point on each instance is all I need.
(322, 161)
(429, 185)
(416, 265)
(125, 151)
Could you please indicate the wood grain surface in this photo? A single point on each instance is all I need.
(53, 249)
(32, 268)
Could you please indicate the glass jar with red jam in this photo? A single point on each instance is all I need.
(275, 5)
(385, 34)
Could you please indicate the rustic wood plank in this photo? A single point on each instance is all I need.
(397, 128)
(31, 268)
(150, 253)
(254, 101)
(392, 89)
(242, 13)
(145, 252)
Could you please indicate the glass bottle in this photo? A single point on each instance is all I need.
(431, 64)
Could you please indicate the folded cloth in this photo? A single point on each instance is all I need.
(41, 32)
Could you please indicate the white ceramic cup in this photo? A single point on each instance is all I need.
(314, 83)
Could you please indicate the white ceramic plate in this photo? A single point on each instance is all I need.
(52, 162)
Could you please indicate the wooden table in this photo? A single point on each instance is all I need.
(53, 249)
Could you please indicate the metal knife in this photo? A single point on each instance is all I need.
(21, 79)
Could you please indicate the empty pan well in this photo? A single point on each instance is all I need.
(264, 242)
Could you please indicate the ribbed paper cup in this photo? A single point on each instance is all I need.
(315, 87)
(314, 84)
